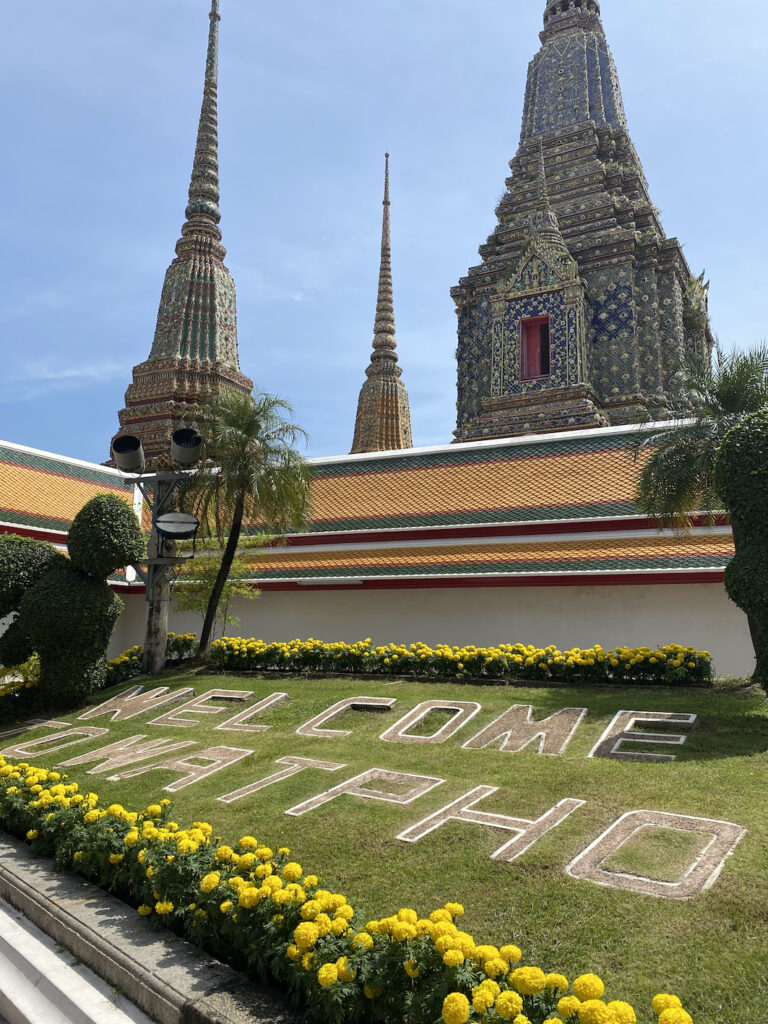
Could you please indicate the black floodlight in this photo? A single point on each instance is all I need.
(177, 526)
(186, 447)
(128, 453)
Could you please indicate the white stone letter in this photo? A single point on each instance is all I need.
(41, 747)
(237, 723)
(311, 728)
(463, 712)
(516, 729)
(295, 765)
(199, 706)
(124, 752)
(461, 810)
(419, 785)
(620, 731)
(214, 759)
(699, 876)
(135, 701)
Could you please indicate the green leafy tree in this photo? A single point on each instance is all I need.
(678, 480)
(709, 398)
(251, 474)
(195, 582)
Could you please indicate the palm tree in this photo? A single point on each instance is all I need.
(251, 473)
(677, 477)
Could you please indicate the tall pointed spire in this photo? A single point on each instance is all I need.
(203, 208)
(383, 420)
(194, 353)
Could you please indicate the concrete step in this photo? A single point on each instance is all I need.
(41, 983)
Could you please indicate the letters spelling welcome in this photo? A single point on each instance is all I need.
(514, 730)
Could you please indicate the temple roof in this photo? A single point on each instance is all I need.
(526, 511)
(40, 491)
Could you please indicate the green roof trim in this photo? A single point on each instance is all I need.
(34, 522)
(51, 464)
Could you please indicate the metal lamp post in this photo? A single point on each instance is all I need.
(168, 527)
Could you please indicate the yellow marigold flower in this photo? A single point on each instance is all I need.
(307, 960)
(363, 940)
(131, 838)
(144, 910)
(675, 1015)
(187, 846)
(339, 926)
(226, 906)
(622, 1012)
(248, 843)
(454, 909)
(115, 858)
(594, 1011)
(453, 958)
(323, 923)
(456, 1008)
(410, 967)
(346, 973)
(263, 870)
(568, 1007)
(264, 853)
(311, 881)
(153, 811)
(440, 915)
(346, 912)
(509, 1005)
(371, 991)
(401, 931)
(521, 1019)
(210, 881)
(32, 834)
(306, 935)
(164, 907)
(512, 954)
(557, 981)
(494, 966)
(292, 872)
(293, 952)
(588, 986)
(663, 1001)
(482, 999)
(224, 854)
(328, 975)
(90, 816)
(528, 980)
(78, 855)
(249, 897)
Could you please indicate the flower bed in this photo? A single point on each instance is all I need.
(128, 665)
(261, 911)
(669, 665)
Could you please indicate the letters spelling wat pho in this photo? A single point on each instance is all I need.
(513, 731)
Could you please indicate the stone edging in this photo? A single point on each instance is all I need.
(164, 975)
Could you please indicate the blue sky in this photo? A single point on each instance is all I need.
(101, 102)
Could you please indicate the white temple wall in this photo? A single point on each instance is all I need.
(697, 615)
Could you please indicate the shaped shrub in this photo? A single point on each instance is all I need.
(67, 614)
(741, 478)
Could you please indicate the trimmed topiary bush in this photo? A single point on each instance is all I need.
(68, 613)
(741, 478)
(22, 563)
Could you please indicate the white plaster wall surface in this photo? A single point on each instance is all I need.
(699, 615)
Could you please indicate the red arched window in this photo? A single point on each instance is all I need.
(534, 338)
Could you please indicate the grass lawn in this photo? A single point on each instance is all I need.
(711, 951)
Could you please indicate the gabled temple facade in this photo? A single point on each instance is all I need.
(194, 353)
(581, 307)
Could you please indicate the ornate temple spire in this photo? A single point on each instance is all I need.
(383, 420)
(572, 79)
(194, 353)
(203, 208)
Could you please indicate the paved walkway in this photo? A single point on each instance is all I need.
(42, 983)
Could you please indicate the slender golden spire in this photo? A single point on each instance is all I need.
(202, 211)
(383, 414)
